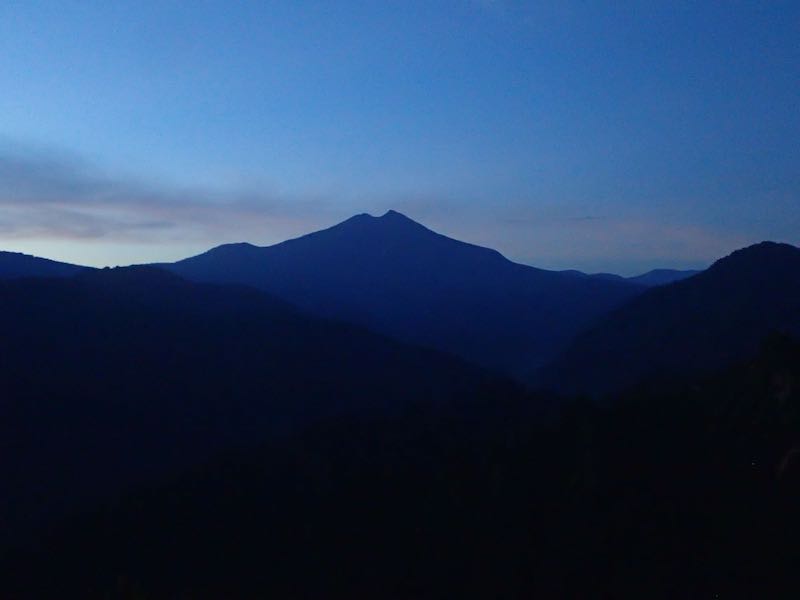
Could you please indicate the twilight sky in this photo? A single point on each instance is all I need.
(615, 136)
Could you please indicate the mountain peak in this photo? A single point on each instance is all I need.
(389, 215)
(390, 221)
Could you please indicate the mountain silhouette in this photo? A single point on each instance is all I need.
(399, 278)
(117, 375)
(15, 264)
(706, 321)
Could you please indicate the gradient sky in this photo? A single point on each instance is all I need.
(614, 136)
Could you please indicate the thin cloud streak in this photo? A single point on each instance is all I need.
(47, 195)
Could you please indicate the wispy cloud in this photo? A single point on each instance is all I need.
(625, 242)
(47, 194)
(57, 205)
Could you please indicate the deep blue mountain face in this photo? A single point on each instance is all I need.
(706, 321)
(397, 277)
(120, 375)
(14, 265)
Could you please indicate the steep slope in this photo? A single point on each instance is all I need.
(709, 320)
(116, 376)
(14, 264)
(397, 277)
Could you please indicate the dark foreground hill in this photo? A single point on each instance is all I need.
(14, 265)
(122, 375)
(690, 492)
(707, 321)
(397, 277)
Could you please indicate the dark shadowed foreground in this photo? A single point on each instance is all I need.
(121, 376)
(686, 491)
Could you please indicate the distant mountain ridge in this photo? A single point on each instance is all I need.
(706, 321)
(17, 264)
(397, 277)
(663, 276)
(651, 278)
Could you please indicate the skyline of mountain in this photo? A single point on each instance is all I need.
(342, 259)
(16, 264)
(397, 277)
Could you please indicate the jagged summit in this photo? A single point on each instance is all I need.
(388, 215)
(389, 222)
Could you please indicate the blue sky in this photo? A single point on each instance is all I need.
(600, 136)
